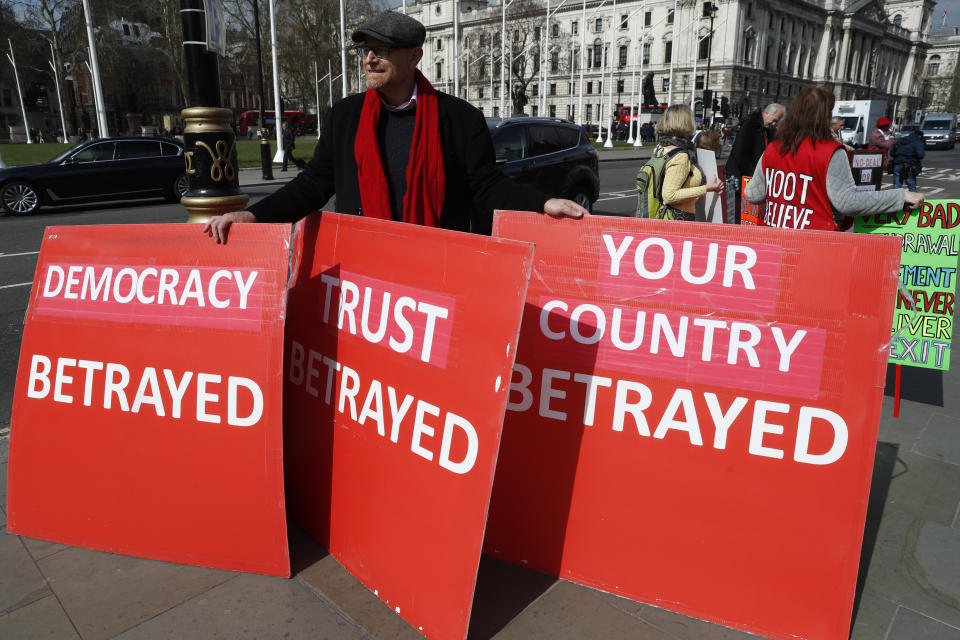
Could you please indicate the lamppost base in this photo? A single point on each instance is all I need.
(202, 209)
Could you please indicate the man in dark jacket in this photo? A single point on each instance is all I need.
(400, 151)
(289, 143)
(907, 159)
(756, 131)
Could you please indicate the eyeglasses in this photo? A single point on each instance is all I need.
(378, 52)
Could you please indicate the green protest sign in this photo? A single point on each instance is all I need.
(923, 316)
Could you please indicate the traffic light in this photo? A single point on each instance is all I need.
(724, 106)
(707, 96)
(716, 105)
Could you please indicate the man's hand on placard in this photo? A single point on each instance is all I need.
(913, 199)
(559, 208)
(219, 226)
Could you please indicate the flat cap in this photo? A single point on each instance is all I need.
(393, 28)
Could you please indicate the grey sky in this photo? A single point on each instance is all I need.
(953, 13)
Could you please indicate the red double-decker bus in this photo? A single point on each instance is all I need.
(625, 115)
(299, 121)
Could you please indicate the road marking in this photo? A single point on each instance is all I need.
(25, 253)
(19, 284)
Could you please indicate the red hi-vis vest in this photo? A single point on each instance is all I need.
(797, 186)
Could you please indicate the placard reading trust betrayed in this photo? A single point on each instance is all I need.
(400, 345)
(923, 319)
(146, 418)
(693, 415)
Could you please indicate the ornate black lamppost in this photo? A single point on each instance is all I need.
(211, 146)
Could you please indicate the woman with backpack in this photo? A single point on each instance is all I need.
(682, 180)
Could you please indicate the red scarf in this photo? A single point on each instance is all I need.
(426, 179)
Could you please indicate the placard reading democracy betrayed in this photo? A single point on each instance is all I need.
(400, 345)
(693, 416)
(923, 319)
(146, 417)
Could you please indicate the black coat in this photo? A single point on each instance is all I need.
(751, 140)
(475, 185)
(909, 150)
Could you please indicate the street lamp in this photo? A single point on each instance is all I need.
(708, 103)
(779, 67)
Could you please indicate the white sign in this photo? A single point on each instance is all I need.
(710, 207)
(216, 27)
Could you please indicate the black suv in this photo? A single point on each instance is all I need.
(553, 155)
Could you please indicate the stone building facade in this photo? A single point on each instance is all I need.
(759, 52)
(940, 72)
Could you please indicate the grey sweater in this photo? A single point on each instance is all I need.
(841, 190)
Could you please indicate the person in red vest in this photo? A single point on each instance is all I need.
(804, 176)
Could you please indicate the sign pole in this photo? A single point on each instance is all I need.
(896, 391)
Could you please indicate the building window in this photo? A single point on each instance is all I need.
(536, 90)
(898, 20)
(670, 16)
(553, 111)
(647, 18)
(574, 27)
(598, 25)
(667, 51)
(536, 33)
(600, 91)
(496, 112)
(439, 43)
(704, 52)
(555, 29)
(589, 112)
(438, 10)
(771, 20)
(623, 56)
(624, 21)
(749, 9)
(553, 88)
(536, 110)
(749, 46)
(698, 83)
(589, 90)
(666, 84)
(554, 62)
(933, 66)
(480, 93)
(439, 72)
(646, 53)
(598, 55)
(496, 91)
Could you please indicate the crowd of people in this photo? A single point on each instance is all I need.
(393, 153)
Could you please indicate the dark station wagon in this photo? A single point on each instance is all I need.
(96, 171)
(553, 155)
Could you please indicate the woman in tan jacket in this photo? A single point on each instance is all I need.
(683, 180)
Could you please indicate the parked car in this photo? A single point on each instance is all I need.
(553, 155)
(96, 171)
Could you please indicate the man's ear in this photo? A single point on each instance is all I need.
(415, 55)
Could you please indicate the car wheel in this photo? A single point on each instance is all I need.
(19, 199)
(580, 195)
(179, 188)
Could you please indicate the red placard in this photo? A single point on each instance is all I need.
(693, 416)
(750, 213)
(147, 411)
(400, 345)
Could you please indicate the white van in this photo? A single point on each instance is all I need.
(939, 130)
(860, 118)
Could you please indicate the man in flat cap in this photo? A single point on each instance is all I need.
(401, 151)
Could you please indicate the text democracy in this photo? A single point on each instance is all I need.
(176, 286)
